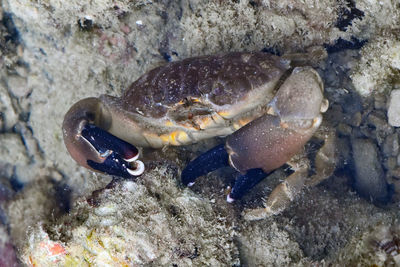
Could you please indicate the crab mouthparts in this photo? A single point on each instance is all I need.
(116, 156)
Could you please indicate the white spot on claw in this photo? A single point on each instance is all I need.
(139, 169)
(229, 199)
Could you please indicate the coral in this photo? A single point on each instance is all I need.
(379, 67)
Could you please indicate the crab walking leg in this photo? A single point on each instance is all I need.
(284, 193)
(325, 160)
(211, 160)
(280, 197)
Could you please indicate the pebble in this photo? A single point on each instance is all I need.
(394, 108)
(391, 145)
(369, 177)
(390, 163)
(395, 173)
(380, 102)
(344, 129)
(356, 119)
(378, 120)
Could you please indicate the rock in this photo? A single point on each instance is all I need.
(391, 145)
(8, 116)
(377, 120)
(170, 226)
(380, 102)
(369, 176)
(390, 163)
(356, 119)
(395, 173)
(12, 146)
(394, 108)
(344, 129)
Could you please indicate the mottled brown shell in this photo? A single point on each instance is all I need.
(222, 80)
(196, 98)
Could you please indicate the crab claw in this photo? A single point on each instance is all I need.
(211, 160)
(95, 148)
(244, 183)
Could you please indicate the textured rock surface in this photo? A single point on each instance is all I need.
(150, 222)
(394, 108)
(7, 254)
(53, 53)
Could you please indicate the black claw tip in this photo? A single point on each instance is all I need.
(117, 153)
(103, 141)
(211, 160)
(245, 182)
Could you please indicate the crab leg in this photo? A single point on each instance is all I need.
(280, 197)
(244, 183)
(211, 160)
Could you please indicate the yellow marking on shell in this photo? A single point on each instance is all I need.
(175, 138)
(195, 100)
(188, 126)
(284, 125)
(153, 139)
(164, 138)
(244, 121)
(225, 114)
(241, 122)
(205, 122)
(168, 123)
(183, 137)
(218, 119)
(236, 126)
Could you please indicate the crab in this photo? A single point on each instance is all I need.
(266, 108)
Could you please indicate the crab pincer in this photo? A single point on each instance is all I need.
(95, 148)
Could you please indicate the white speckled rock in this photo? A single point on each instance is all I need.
(394, 108)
